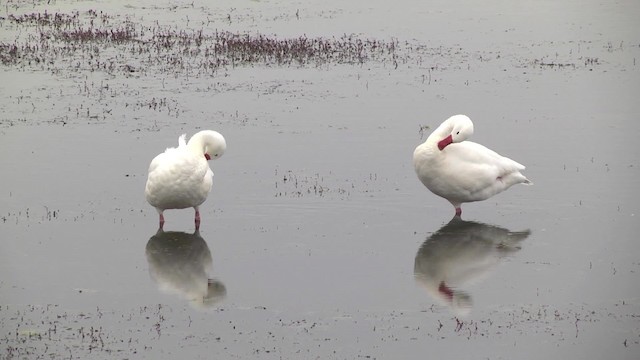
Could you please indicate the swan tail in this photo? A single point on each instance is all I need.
(182, 140)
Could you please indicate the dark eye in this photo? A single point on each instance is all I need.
(458, 133)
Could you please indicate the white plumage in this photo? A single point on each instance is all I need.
(180, 177)
(463, 171)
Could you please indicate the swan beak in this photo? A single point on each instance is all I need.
(444, 142)
(206, 156)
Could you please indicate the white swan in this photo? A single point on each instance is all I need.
(180, 177)
(463, 171)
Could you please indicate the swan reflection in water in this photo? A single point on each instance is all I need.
(180, 263)
(460, 253)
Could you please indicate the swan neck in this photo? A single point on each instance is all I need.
(441, 132)
(196, 143)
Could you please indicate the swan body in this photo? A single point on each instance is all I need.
(180, 177)
(463, 171)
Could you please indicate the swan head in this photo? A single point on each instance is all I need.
(458, 129)
(210, 142)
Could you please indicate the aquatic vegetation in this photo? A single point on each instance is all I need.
(97, 41)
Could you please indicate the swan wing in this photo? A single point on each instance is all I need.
(474, 172)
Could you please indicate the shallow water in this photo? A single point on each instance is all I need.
(318, 241)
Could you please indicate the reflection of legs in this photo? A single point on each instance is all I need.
(197, 218)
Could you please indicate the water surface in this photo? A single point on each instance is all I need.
(318, 241)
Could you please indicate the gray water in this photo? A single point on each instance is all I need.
(318, 240)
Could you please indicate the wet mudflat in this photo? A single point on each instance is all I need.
(317, 241)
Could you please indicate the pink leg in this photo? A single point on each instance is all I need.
(197, 219)
(458, 211)
(161, 221)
